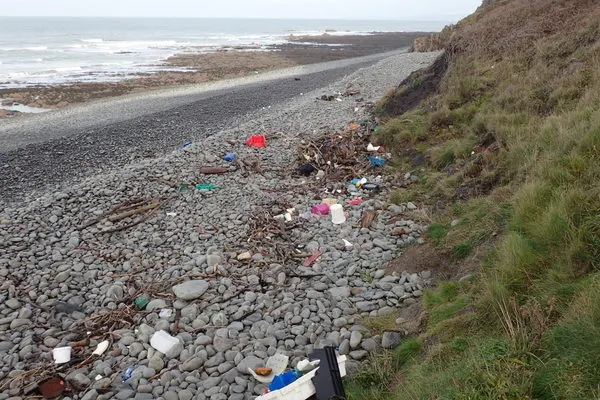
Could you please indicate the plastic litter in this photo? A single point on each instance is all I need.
(306, 169)
(330, 201)
(101, 348)
(305, 366)
(320, 174)
(282, 380)
(205, 186)
(277, 363)
(370, 186)
(347, 244)
(328, 379)
(187, 144)
(376, 162)
(320, 209)
(303, 388)
(370, 147)
(172, 214)
(358, 182)
(337, 214)
(229, 157)
(314, 257)
(52, 387)
(354, 202)
(141, 302)
(257, 141)
(61, 355)
(163, 342)
(126, 375)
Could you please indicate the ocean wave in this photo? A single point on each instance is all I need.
(36, 48)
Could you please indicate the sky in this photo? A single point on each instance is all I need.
(326, 9)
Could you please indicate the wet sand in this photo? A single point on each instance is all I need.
(225, 64)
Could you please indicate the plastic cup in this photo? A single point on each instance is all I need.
(61, 355)
(337, 214)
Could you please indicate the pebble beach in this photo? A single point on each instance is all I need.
(225, 271)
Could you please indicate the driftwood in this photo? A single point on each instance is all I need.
(368, 218)
(118, 217)
(342, 157)
(126, 210)
(126, 205)
(214, 170)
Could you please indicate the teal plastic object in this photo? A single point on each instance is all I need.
(205, 186)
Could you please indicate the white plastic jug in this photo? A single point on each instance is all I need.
(163, 342)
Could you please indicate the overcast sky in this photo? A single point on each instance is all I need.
(329, 9)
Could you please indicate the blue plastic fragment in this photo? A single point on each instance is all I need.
(377, 162)
(282, 380)
(127, 374)
(187, 144)
(355, 181)
(229, 157)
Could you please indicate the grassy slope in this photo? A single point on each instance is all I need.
(512, 147)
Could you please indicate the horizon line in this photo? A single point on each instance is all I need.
(420, 19)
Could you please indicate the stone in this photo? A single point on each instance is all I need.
(383, 244)
(203, 340)
(358, 354)
(18, 322)
(79, 381)
(193, 364)
(115, 292)
(213, 260)
(249, 362)
(185, 394)
(355, 338)
(340, 293)
(191, 290)
(62, 276)
(219, 319)
(390, 340)
(12, 303)
(91, 395)
(125, 394)
(370, 345)
(156, 304)
(399, 231)
(244, 256)
(344, 347)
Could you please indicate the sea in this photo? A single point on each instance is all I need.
(56, 50)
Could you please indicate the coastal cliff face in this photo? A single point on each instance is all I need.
(504, 129)
(438, 41)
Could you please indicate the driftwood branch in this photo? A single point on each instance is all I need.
(135, 211)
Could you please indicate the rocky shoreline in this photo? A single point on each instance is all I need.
(241, 283)
(208, 67)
